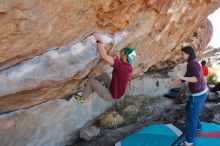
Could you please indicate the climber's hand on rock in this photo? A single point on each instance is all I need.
(96, 35)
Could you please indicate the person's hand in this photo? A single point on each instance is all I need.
(173, 81)
(96, 35)
(180, 76)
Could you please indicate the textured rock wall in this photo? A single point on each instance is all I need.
(47, 52)
(54, 123)
(204, 34)
(31, 74)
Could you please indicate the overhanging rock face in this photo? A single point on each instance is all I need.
(31, 28)
(47, 52)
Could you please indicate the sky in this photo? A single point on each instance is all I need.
(215, 19)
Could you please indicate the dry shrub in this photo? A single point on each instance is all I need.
(111, 120)
(212, 76)
(130, 110)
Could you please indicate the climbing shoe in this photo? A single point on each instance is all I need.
(78, 97)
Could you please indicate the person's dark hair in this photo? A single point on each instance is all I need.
(190, 51)
(203, 63)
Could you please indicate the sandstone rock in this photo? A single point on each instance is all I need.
(213, 97)
(53, 123)
(87, 133)
(217, 118)
(204, 34)
(47, 49)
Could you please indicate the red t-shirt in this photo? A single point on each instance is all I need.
(120, 75)
(205, 70)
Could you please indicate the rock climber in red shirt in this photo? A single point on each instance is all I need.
(121, 74)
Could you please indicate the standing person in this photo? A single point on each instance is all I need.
(205, 70)
(121, 74)
(198, 90)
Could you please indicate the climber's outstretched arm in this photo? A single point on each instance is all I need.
(103, 54)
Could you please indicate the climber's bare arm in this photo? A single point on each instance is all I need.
(103, 54)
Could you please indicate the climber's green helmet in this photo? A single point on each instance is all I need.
(131, 54)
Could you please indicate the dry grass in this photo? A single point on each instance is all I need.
(128, 111)
(214, 72)
(212, 76)
(111, 120)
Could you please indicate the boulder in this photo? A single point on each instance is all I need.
(87, 133)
